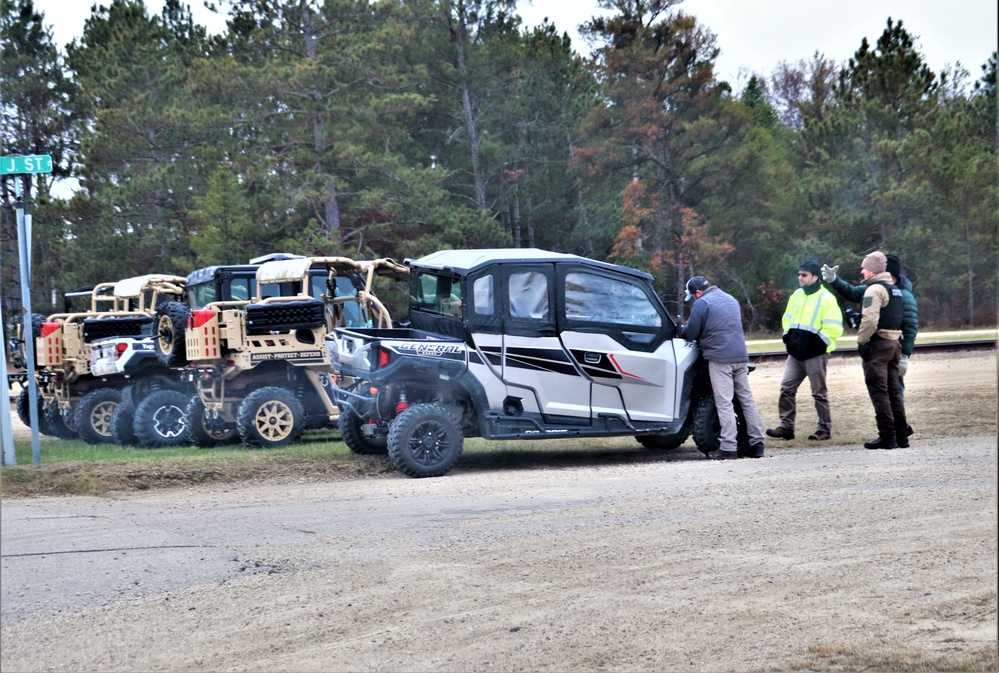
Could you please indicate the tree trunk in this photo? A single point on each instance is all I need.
(971, 276)
(10, 289)
(460, 37)
(516, 214)
(331, 207)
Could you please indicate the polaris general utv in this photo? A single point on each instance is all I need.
(523, 344)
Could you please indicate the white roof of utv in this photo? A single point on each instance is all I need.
(132, 287)
(463, 261)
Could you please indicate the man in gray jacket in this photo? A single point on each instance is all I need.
(716, 324)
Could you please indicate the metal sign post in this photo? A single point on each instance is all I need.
(18, 165)
(29, 335)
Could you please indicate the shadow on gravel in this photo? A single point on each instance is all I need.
(557, 459)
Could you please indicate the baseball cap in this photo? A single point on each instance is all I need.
(694, 284)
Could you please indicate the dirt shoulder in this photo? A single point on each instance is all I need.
(824, 559)
(820, 557)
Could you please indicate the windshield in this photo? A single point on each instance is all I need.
(345, 287)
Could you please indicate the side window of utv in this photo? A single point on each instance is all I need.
(528, 293)
(483, 296)
(240, 289)
(598, 299)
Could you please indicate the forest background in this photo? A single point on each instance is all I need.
(396, 128)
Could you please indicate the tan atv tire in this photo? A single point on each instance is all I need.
(270, 417)
(92, 416)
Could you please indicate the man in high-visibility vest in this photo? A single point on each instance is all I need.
(812, 323)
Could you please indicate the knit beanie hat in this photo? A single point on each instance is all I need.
(812, 267)
(893, 265)
(875, 262)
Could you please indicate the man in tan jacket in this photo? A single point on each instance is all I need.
(878, 344)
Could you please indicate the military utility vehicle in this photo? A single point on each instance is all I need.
(262, 366)
(523, 344)
(77, 400)
(75, 301)
(152, 365)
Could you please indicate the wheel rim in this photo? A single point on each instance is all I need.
(430, 443)
(274, 421)
(165, 330)
(218, 431)
(168, 421)
(100, 418)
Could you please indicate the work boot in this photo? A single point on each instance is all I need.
(754, 451)
(780, 433)
(881, 443)
(819, 436)
(722, 455)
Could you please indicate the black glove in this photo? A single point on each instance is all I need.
(865, 351)
(786, 336)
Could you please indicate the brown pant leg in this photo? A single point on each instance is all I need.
(895, 391)
(876, 378)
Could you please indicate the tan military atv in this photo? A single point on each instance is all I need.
(263, 366)
(74, 301)
(75, 400)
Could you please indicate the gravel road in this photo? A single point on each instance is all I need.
(830, 558)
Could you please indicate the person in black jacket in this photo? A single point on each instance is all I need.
(812, 322)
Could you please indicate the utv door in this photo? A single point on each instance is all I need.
(536, 368)
(618, 334)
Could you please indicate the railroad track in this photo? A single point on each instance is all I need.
(948, 347)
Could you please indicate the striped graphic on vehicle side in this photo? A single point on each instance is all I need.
(541, 359)
(603, 369)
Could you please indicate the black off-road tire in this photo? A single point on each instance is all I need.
(205, 432)
(270, 417)
(706, 428)
(36, 324)
(425, 441)
(121, 421)
(92, 415)
(160, 420)
(350, 431)
(63, 427)
(171, 325)
(19, 355)
(24, 412)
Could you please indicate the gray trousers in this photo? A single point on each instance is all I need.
(730, 380)
(795, 371)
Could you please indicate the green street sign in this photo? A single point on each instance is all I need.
(34, 163)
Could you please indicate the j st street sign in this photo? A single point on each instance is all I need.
(33, 163)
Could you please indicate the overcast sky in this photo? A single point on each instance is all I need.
(753, 35)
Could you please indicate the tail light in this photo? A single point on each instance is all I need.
(199, 318)
(383, 358)
(49, 327)
(120, 350)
